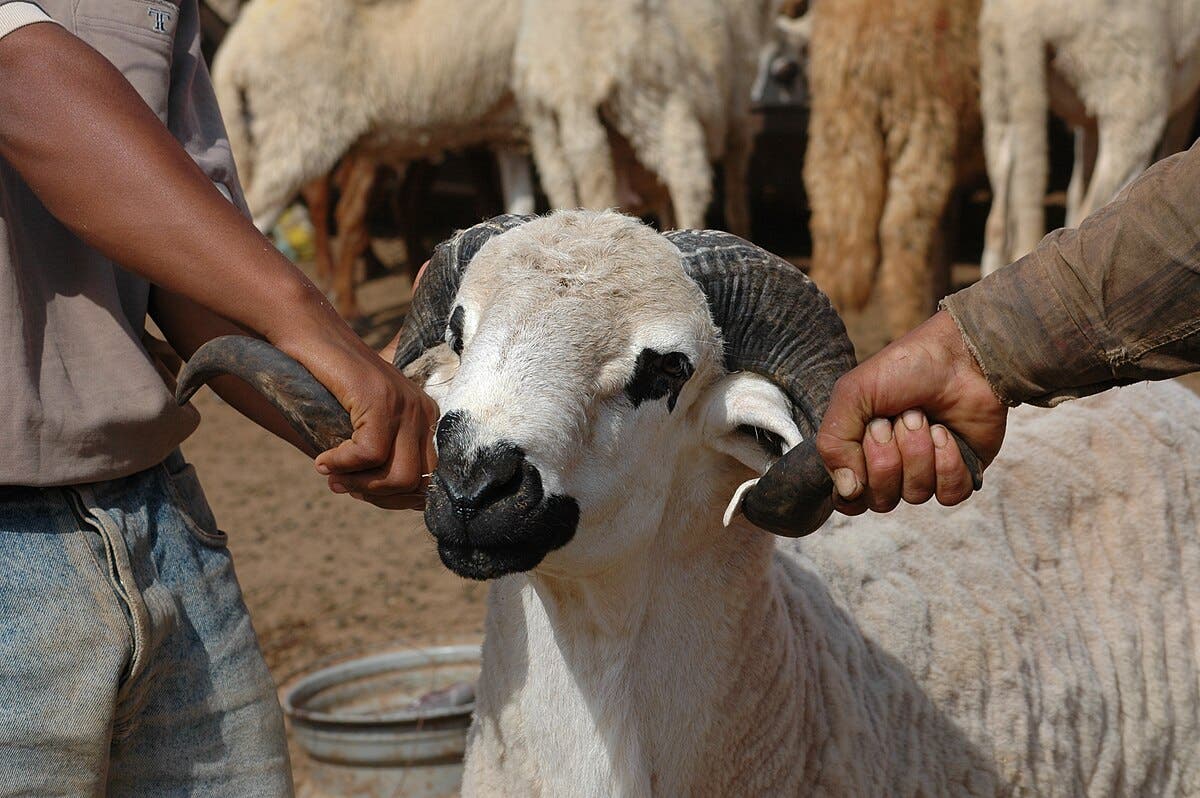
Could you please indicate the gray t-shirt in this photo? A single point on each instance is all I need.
(81, 399)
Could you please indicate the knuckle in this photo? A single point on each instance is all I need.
(883, 463)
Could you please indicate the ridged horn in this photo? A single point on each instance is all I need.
(307, 405)
(425, 324)
(775, 321)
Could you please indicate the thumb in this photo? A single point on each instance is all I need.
(368, 448)
(839, 440)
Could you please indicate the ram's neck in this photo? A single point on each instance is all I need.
(628, 683)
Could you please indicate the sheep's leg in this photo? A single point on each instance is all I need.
(685, 167)
(516, 180)
(738, 149)
(589, 155)
(996, 228)
(553, 168)
(997, 141)
(845, 148)
(353, 240)
(919, 187)
(1029, 104)
(294, 147)
(1081, 171)
(316, 197)
(1126, 145)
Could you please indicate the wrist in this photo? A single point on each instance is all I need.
(962, 352)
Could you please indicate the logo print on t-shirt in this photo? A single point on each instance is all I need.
(161, 18)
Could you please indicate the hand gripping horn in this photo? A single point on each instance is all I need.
(777, 323)
(307, 405)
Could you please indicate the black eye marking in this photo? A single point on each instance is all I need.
(455, 330)
(657, 375)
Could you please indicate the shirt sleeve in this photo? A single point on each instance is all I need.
(193, 115)
(16, 15)
(1115, 301)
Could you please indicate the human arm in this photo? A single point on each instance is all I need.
(104, 165)
(1112, 302)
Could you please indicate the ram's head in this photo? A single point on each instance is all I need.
(593, 375)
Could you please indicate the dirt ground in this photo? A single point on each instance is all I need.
(327, 577)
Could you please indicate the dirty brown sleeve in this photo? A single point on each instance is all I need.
(1115, 301)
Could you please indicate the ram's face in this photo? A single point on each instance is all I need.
(577, 366)
(580, 364)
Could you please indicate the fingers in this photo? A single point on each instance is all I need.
(839, 442)
(393, 502)
(901, 464)
(953, 479)
(370, 448)
(915, 444)
(885, 469)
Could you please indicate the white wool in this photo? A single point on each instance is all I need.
(1040, 639)
(672, 79)
(1123, 75)
(303, 82)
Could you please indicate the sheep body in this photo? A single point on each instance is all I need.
(672, 77)
(1116, 72)
(894, 128)
(303, 82)
(1039, 640)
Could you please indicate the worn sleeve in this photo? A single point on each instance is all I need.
(193, 116)
(1115, 301)
(15, 15)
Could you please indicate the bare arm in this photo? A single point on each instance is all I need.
(104, 165)
(188, 325)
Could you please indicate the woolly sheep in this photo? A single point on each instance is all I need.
(894, 128)
(303, 82)
(1115, 71)
(672, 78)
(601, 386)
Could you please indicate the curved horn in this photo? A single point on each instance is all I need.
(775, 321)
(425, 324)
(308, 406)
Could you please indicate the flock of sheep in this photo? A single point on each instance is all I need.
(599, 379)
(629, 103)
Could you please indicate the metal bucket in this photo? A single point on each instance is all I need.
(392, 724)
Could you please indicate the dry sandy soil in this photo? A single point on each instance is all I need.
(325, 576)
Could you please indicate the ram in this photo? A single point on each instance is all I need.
(605, 389)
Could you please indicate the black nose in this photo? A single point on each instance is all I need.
(495, 473)
(474, 480)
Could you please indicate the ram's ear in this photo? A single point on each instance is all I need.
(433, 371)
(749, 418)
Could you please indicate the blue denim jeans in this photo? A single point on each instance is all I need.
(128, 665)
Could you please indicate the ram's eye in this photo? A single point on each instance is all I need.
(454, 331)
(675, 364)
(656, 376)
